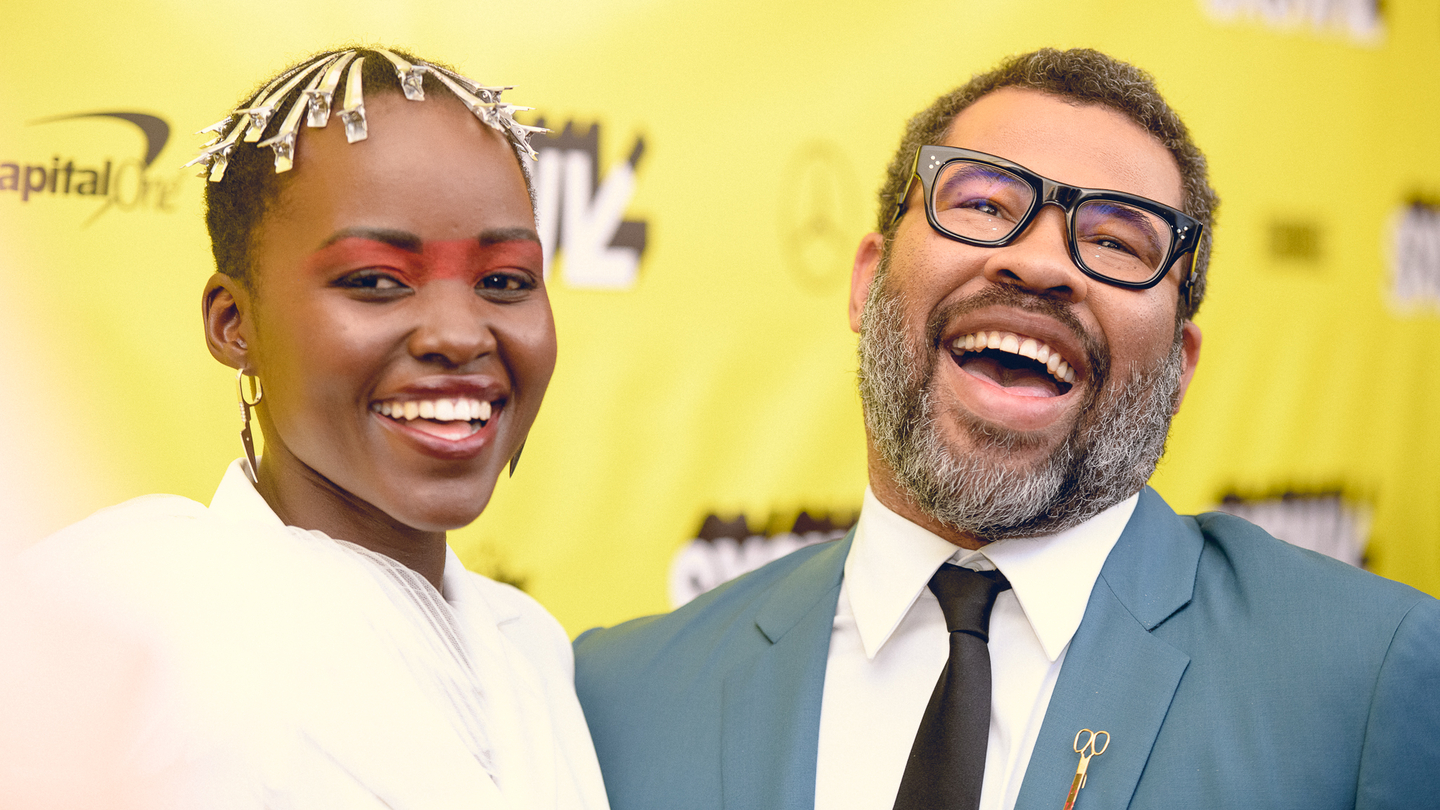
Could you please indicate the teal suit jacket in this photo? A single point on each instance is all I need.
(1231, 669)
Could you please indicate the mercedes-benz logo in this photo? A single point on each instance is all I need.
(818, 203)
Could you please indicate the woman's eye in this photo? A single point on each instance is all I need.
(504, 283)
(376, 280)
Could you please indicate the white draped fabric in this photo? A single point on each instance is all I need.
(292, 670)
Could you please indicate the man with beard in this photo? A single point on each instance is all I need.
(1025, 312)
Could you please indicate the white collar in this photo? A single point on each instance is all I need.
(237, 500)
(892, 560)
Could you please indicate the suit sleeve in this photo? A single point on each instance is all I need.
(1400, 763)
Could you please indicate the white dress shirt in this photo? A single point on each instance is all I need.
(889, 644)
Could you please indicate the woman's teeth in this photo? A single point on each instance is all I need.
(1016, 344)
(439, 410)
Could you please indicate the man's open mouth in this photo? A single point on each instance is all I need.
(449, 419)
(1022, 365)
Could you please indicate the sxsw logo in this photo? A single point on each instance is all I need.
(1325, 521)
(581, 214)
(726, 548)
(1415, 256)
(1361, 21)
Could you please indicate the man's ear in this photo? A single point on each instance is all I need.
(1190, 349)
(862, 275)
(225, 306)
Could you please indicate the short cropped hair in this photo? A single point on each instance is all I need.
(235, 206)
(1088, 77)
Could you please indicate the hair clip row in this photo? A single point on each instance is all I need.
(314, 103)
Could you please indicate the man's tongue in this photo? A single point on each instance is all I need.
(450, 431)
(1021, 378)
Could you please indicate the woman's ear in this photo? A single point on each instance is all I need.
(225, 306)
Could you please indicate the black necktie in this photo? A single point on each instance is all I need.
(947, 761)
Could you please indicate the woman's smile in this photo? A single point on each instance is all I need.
(446, 417)
(400, 323)
(439, 435)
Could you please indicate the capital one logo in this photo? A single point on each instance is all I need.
(581, 215)
(123, 184)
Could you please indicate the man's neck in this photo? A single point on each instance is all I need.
(897, 500)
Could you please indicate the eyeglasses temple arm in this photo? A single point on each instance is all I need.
(900, 206)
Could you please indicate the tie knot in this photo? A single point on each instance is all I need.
(967, 597)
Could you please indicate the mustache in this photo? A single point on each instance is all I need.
(1096, 349)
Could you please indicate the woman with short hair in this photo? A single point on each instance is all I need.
(382, 297)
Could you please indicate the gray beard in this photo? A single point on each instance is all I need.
(1108, 456)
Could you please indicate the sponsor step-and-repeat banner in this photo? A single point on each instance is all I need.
(709, 170)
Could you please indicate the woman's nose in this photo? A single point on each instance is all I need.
(452, 326)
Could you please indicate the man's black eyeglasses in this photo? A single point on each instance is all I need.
(988, 201)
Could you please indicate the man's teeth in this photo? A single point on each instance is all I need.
(1015, 344)
(440, 410)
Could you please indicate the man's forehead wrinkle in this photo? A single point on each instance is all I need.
(980, 123)
(1025, 135)
(1132, 174)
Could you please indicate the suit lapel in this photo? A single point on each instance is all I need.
(1118, 677)
(770, 703)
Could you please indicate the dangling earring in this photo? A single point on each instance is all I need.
(257, 393)
(515, 459)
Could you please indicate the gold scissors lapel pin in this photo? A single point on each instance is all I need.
(1093, 747)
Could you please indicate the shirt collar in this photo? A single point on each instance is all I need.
(460, 588)
(891, 562)
(237, 499)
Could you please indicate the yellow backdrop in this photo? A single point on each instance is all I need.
(712, 371)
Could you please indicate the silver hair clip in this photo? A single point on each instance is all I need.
(486, 105)
(319, 98)
(283, 141)
(352, 115)
(211, 151)
(216, 128)
(410, 75)
(520, 133)
(495, 115)
(260, 115)
(215, 153)
(315, 101)
(253, 120)
(489, 95)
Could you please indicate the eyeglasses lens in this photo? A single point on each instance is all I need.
(1121, 241)
(986, 203)
(981, 202)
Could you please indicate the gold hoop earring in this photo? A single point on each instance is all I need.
(257, 393)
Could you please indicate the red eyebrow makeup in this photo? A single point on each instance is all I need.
(415, 262)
